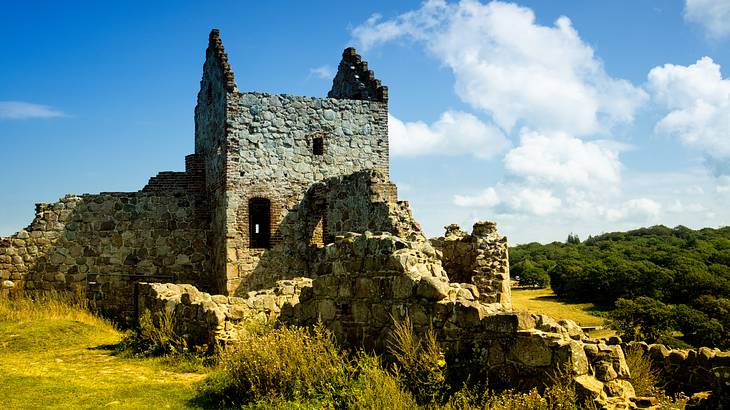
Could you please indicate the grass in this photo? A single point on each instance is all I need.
(55, 354)
(544, 301)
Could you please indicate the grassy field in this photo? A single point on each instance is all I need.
(65, 358)
(545, 302)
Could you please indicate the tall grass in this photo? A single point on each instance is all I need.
(302, 368)
(644, 376)
(279, 364)
(155, 336)
(419, 362)
(49, 305)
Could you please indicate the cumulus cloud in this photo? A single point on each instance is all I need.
(545, 168)
(520, 72)
(484, 199)
(565, 160)
(642, 209)
(536, 201)
(18, 110)
(454, 133)
(698, 102)
(512, 198)
(324, 72)
(712, 15)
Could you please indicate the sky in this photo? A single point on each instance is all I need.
(549, 118)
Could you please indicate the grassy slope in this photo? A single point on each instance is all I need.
(67, 361)
(545, 302)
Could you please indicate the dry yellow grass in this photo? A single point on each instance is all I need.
(55, 354)
(545, 302)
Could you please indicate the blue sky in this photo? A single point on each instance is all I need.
(548, 117)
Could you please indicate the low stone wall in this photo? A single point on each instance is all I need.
(480, 258)
(210, 321)
(689, 370)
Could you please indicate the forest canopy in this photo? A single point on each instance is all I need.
(658, 281)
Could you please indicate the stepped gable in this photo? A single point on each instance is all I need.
(216, 50)
(355, 81)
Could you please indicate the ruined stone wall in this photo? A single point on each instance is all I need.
(207, 321)
(480, 258)
(361, 201)
(211, 130)
(272, 147)
(368, 281)
(689, 370)
(98, 244)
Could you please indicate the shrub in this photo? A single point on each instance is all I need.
(280, 364)
(420, 364)
(374, 386)
(155, 336)
(644, 376)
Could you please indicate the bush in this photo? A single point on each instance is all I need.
(155, 336)
(375, 386)
(280, 364)
(420, 364)
(644, 376)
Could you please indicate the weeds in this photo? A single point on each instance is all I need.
(155, 336)
(420, 363)
(644, 376)
(279, 364)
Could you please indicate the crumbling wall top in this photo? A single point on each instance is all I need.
(215, 50)
(355, 81)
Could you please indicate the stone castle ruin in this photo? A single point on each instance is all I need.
(286, 212)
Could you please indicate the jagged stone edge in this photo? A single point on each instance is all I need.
(215, 46)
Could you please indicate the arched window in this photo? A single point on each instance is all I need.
(259, 222)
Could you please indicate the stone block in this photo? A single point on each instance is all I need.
(531, 350)
(570, 354)
(432, 288)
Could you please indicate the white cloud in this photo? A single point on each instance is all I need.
(512, 198)
(680, 207)
(698, 102)
(324, 72)
(18, 110)
(712, 15)
(562, 159)
(520, 72)
(485, 199)
(534, 201)
(454, 133)
(635, 209)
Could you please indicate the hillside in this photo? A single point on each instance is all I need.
(660, 281)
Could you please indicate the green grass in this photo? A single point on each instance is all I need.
(60, 356)
(544, 301)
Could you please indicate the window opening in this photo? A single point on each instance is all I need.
(318, 145)
(259, 217)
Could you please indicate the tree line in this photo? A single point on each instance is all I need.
(670, 285)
